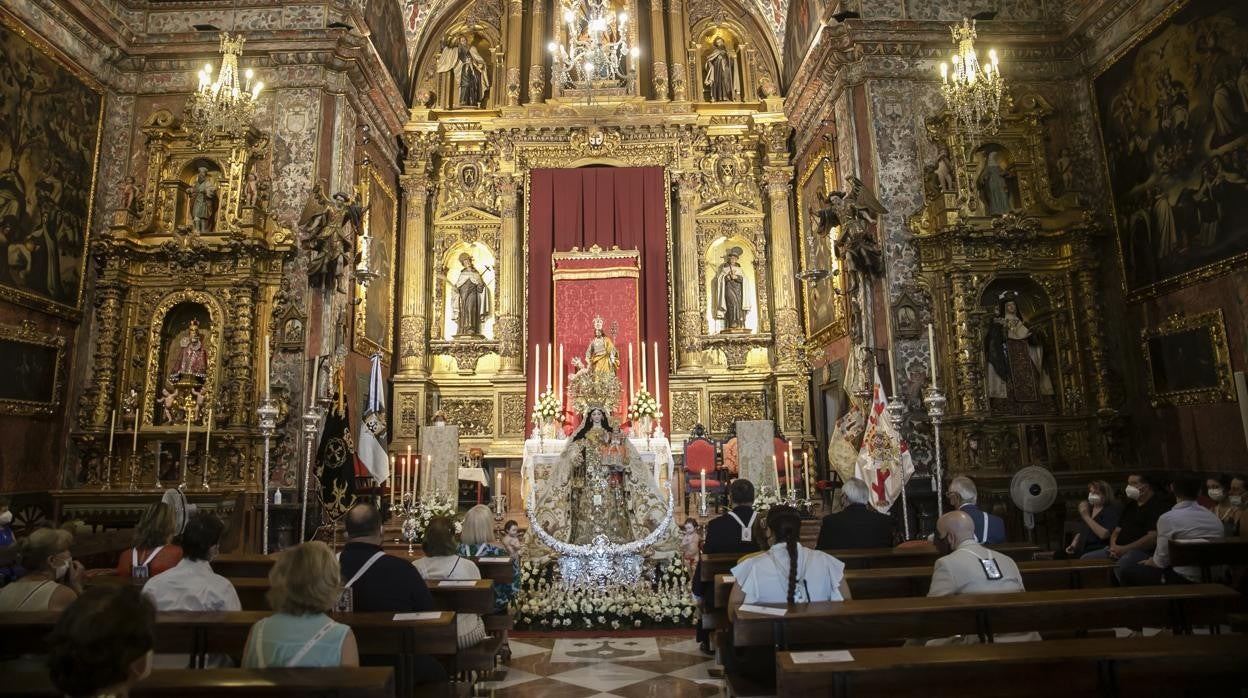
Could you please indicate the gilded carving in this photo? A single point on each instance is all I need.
(466, 352)
(678, 82)
(408, 415)
(727, 408)
(537, 83)
(513, 87)
(474, 416)
(789, 335)
(794, 401)
(508, 329)
(512, 415)
(660, 80)
(686, 410)
(412, 337)
(727, 174)
(736, 347)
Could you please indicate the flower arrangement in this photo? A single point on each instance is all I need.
(765, 498)
(643, 405)
(661, 600)
(428, 508)
(547, 409)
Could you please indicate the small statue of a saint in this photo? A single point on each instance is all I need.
(472, 299)
(203, 195)
(251, 190)
(994, 186)
(129, 195)
(192, 358)
(721, 73)
(732, 292)
(469, 69)
(329, 237)
(1015, 356)
(601, 355)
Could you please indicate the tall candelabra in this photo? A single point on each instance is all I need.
(311, 426)
(267, 412)
(896, 413)
(934, 400)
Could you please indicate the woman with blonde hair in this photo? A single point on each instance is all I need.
(53, 578)
(441, 562)
(304, 587)
(153, 551)
(1098, 517)
(477, 540)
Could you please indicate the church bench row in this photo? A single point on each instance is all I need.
(201, 633)
(356, 682)
(1208, 666)
(1209, 554)
(235, 565)
(888, 621)
(869, 558)
(893, 582)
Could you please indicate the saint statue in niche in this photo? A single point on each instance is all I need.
(192, 359)
(994, 186)
(721, 73)
(472, 299)
(732, 292)
(203, 193)
(1015, 356)
(465, 63)
(601, 355)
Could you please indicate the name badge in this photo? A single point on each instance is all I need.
(747, 536)
(991, 570)
(346, 601)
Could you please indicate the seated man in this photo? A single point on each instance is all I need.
(967, 567)
(1135, 536)
(857, 525)
(728, 533)
(1187, 520)
(191, 585)
(989, 528)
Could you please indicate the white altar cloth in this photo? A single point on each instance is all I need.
(541, 454)
(476, 475)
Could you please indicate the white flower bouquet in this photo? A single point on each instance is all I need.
(547, 409)
(643, 405)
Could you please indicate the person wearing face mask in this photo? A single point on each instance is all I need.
(1186, 521)
(1135, 535)
(102, 644)
(53, 578)
(1098, 516)
(1237, 496)
(1216, 489)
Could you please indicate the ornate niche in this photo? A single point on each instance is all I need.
(462, 66)
(465, 253)
(1017, 310)
(730, 235)
(185, 285)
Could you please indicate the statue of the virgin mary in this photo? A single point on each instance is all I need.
(600, 486)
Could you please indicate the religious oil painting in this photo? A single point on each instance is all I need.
(822, 299)
(374, 324)
(1188, 360)
(1174, 119)
(50, 121)
(805, 18)
(34, 372)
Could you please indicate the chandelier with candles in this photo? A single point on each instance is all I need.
(596, 48)
(973, 91)
(224, 106)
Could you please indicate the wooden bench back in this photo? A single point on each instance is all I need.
(355, 682)
(1207, 555)
(870, 558)
(1153, 666)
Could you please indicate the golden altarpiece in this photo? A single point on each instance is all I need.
(187, 273)
(468, 160)
(1013, 272)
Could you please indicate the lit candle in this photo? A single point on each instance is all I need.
(208, 439)
(656, 373)
(134, 446)
(644, 383)
(267, 359)
(393, 471)
(112, 430)
(537, 371)
(316, 368)
(550, 369)
(775, 473)
(704, 482)
(806, 471)
(408, 462)
(788, 471)
(632, 389)
(931, 353)
(944, 72)
(416, 473)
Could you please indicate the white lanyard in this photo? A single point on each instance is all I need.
(376, 556)
(134, 556)
(747, 530)
(985, 540)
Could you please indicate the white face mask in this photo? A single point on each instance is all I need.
(1235, 499)
(1215, 495)
(60, 570)
(1094, 499)
(1133, 492)
(6, 518)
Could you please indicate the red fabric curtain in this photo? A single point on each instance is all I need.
(604, 206)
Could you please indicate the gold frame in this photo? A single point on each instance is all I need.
(33, 300)
(27, 333)
(370, 177)
(1164, 286)
(817, 336)
(1214, 322)
(154, 379)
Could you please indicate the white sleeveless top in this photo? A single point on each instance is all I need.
(27, 595)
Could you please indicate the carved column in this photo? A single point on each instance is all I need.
(677, 41)
(511, 287)
(658, 44)
(413, 318)
(239, 357)
(1092, 327)
(688, 309)
(966, 353)
(537, 51)
(787, 327)
(108, 322)
(515, 22)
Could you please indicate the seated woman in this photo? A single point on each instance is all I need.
(53, 578)
(153, 550)
(440, 563)
(476, 540)
(1098, 518)
(1217, 489)
(102, 644)
(304, 587)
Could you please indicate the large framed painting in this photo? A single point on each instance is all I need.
(1188, 360)
(374, 316)
(804, 20)
(35, 374)
(1173, 110)
(825, 319)
(51, 116)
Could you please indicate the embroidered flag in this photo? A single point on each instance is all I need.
(370, 456)
(884, 461)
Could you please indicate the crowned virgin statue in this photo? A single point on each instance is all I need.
(601, 354)
(600, 486)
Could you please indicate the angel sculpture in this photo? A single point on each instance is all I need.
(329, 236)
(857, 243)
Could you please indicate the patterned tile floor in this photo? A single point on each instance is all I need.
(634, 667)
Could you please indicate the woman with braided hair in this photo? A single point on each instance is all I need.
(789, 572)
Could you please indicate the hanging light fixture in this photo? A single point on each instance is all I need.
(224, 106)
(973, 91)
(596, 46)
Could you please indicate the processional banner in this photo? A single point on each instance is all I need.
(589, 284)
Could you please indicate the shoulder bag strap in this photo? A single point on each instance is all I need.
(258, 646)
(376, 556)
(307, 646)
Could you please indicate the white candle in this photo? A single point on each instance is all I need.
(704, 482)
(408, 463)
(550, 369)
(931, 353)
(559, 375)
(788, 469)
(393, 471)
(537, 371)
(806, 471)
(112, 430)
(267, 359)
(775, 473)
(656, 374)
(632, 389)
(186, 450)
(644, 383)
(208, 439)
(416, 473)
(316, 369)
(134, 446)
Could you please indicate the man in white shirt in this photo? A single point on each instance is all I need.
(1186, 520)
(192, 585)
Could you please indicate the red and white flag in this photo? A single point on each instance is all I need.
(884, 461)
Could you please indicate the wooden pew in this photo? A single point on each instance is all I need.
(1209, 554)
(202, 633)
(876, 622)
(361, 682)
(869, 558)
(895, 582)
(243, 565)
(1139, 666)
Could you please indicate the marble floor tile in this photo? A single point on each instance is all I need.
(604, 676)
(589, 650)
